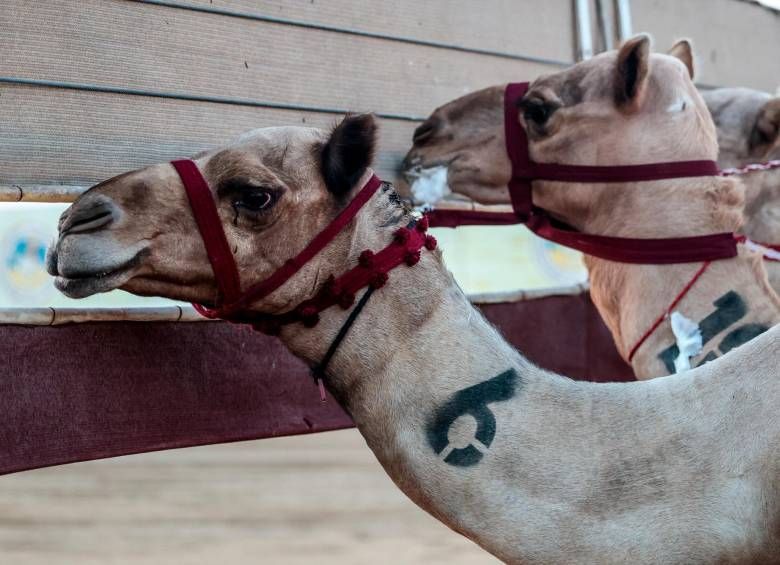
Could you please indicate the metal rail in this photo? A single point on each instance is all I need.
(50, 316)
(584, 29)
(39, 193)
(624, 19)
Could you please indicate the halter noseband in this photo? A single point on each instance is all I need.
(233, 303)
(539, 220)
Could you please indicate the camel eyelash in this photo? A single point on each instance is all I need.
(249, 197)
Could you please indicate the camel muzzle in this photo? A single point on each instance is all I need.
(85, 216)
(87, 257)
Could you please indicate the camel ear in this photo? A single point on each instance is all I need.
(631, 72)
(348, 152)
(683, 50)
(766, 131)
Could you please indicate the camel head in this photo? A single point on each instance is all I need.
(619, 108)
(748, 124)
(275, 189)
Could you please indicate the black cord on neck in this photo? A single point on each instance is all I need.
(318, 371)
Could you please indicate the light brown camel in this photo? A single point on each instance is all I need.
(748, 125)
(625, 107)
(534, 467)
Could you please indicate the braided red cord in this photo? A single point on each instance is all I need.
(752, 167)
(669, 309)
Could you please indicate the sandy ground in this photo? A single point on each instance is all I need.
(312, 499)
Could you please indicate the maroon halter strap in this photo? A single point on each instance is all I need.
(538, 220)
(204, 208)
(210, 226)
(371, 271)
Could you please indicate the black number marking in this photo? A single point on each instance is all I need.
(741, 335)
(730, 308)
(473, 401)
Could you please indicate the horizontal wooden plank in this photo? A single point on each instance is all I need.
(539, 29)
(53, 136)
(736, 43)
(98, 42)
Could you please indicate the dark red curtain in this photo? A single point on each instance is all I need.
(88, 391)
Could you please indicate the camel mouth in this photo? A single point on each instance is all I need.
(87, 284)
(428, 185)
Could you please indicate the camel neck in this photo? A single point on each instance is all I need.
(630, 298)
(501, 451)
(731, 302)
(418, 310)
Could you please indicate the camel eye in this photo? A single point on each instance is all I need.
(255, 199)
(537, 112)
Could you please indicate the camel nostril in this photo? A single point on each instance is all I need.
(423, 132)
(87, 217)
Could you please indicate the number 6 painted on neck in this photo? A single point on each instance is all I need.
(472, 401)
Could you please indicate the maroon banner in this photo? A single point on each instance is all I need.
(89, 391)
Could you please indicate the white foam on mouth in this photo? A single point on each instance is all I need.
(430, 185)
(688, 336)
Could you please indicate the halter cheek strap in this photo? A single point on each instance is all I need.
(542, 223)
(204, 208)
(210, 227)
(233, 303)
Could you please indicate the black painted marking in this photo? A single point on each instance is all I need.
(473, 401)
(711, 356)
(741, 335)
(730, 308)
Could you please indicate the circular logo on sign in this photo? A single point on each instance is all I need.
(558, 262)
(23, 255)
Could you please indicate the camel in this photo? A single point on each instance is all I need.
(532, 466)
(748, 125)
(621, 107)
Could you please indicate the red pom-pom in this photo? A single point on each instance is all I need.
(430, 242)
(401, 235)
(422, 224)
(309, 315)
(332, 288)
(366, 259)
(411, 258)
(346, 299)
(378, 280)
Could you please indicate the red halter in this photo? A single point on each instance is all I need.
(371, 271)
(539, 220)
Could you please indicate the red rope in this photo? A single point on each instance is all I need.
(768, 252)
(669, 309)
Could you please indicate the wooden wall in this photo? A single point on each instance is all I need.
(240, 51)
(90, 88)
(737, 42)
